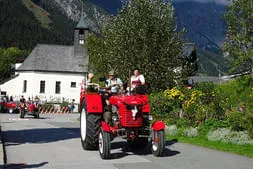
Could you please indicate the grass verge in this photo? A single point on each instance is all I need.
(245, 150)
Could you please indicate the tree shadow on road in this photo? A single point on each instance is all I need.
(126, 150)
(23, 165)
(43, 135)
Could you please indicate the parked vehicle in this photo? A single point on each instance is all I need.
(11, 107)
(128, 117)
(7, 106)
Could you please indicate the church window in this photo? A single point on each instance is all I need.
(81, 37)
(24, 86)
(81, 32)
(73, 85)
(42, 86)
(58, 87)
(81, 41)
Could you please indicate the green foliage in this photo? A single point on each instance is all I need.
(47, 106)
(20, 27)
(159, 104)
(181, 122)
(190, 132)
(236, 120)
(172, 130)
(212, 106)
(7, 57)
(197, 104)
(212, 124)
(39, 13)
(240, 30)
(175, 97)
(142, 35)
(227, 136)
(64, 104)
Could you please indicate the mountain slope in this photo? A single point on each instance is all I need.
(211, 63)
(111, 6)
(19, 27)
(25, 23)
(203, 22)
(41, 14)
(93, 15)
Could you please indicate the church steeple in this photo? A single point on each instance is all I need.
(82, 24)
(81, 32)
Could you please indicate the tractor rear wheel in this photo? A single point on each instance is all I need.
(104, 144)
(89, 126)
(158, 143)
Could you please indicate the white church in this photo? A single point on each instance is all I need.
(54, 73)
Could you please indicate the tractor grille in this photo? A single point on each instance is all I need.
(126, 119)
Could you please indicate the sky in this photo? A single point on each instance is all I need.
(204, 1)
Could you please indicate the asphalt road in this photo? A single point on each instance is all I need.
(53, 142)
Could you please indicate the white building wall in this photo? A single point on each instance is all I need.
(14, 87)
(17, 65)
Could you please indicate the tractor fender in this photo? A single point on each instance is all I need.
(94, 103)
(158, 125)
(105, 127)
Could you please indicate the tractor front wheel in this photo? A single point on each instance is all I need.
(104, 144)
(89, 127)
(158, 143)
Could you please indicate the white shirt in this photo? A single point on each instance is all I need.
(114, 89)
(139, 78)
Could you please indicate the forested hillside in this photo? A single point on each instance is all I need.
(20, 28)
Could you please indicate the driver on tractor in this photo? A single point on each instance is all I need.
(114, 86)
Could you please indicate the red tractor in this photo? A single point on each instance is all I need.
(129, 117)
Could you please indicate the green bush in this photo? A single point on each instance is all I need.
(240, 121)
(172, 130)
(208, 106)
(212, 124)
(248, 124)
(208, 89)
(180, 123)
(160, 106)
(64, 104)
(228, 136)
(236, 120)
(47, 106)
(190, 132)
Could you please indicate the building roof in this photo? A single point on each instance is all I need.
(54, 58)
(82, 24)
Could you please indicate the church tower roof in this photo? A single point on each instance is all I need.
(82, 24)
